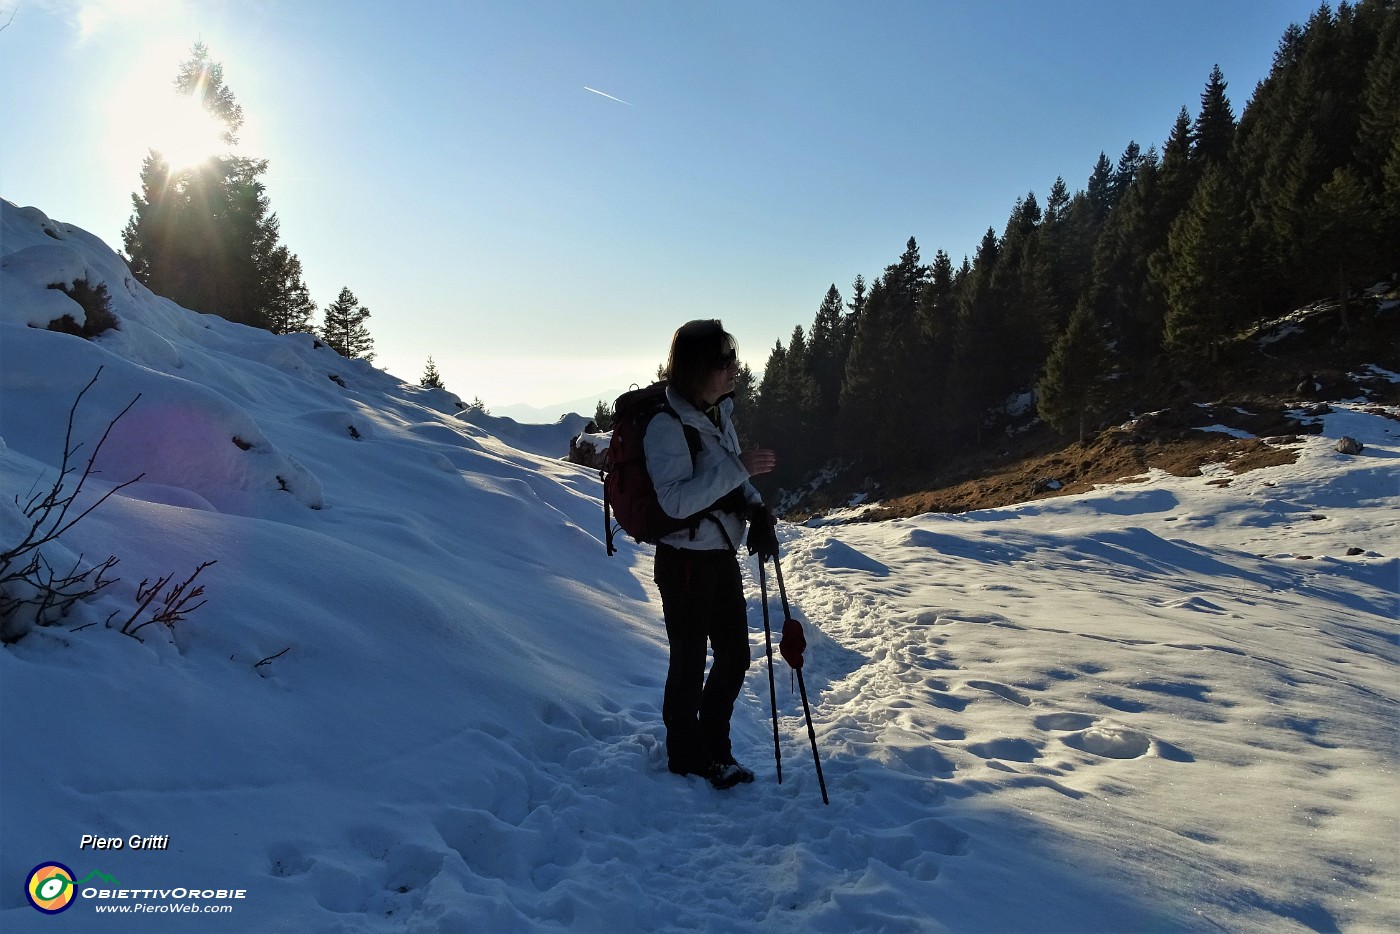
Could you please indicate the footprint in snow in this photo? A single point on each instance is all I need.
(1106, 739)
(1110, 742)
(374, 876)
(1063, 722)
(1006, 750)
(1001, 690)
(288, 859)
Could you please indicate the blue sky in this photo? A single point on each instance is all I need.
(445, 161)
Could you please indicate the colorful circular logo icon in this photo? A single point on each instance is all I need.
(50, 888)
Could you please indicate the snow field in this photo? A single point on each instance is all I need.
(421, 698)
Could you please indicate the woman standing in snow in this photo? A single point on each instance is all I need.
(697, 569)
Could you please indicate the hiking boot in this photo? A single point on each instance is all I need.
(728, 774)
(683, 767)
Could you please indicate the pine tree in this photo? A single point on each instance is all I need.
(1074, 392)
(603, 416)
(1100, 189)
(290, 309)
(1054, 246)
(1378, 143)
(745, 402)
(936, 307)
(885, 379)
(1390, 198)
(344, 329)
(1346, 221)
(1309, 118)
(975, 381)
(855, 308)
(201, 76)
(863, 382)
(1073, 248)
(1203, 286)
(793, 432)
(827, 354)
(1126, 172)
(1178, 181)
(1175, 183)
(1214, 131)
(205, 236)
(432, 379)
(1124, 295)
(938, 330)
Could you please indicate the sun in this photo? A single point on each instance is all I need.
(184, 133)
(142, 111)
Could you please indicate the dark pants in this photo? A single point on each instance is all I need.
(702, 597)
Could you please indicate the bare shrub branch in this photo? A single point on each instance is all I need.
(272, 658)
(173, 607)
(27, 579)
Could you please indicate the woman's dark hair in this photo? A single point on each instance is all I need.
(698, 348)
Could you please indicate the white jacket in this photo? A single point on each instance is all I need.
(683, 490)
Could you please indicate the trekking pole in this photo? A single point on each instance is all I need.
(796, 652)
(772, 692)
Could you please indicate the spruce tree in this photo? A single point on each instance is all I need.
(344, 329)
(855, 308)
(1346, 221)
(1378, 142)
(432, 379)
(1175, 184)
(1054, 245)
(1021, 289)
(1390, 191)
(864, 380)
(603, 416)
(1074, 239)
(1100, 189)
(1312, 116)
(975, 380)
(938, 331)
(745, 401)
(1125, 298)
(885, 374)
(290, 309)
(770, 399)
(1074, 392)
(826, 354)
(1123, 176)
(936, 306)
(1203, 284)
(1214, 131)
(204, 236)
(792, 431)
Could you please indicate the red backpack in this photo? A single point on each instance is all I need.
(628, 493)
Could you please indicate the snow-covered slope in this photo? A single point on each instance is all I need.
(419, 696)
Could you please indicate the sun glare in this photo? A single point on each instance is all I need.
(144, 113)
(183, 132)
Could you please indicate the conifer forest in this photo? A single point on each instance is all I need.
(1094, 302)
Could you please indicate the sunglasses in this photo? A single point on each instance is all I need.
(727, 360)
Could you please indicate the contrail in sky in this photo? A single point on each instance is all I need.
(608, 96)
